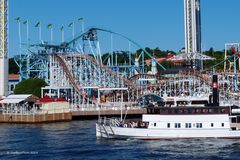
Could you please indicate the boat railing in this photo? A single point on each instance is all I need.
(115, 122)
(109, 121)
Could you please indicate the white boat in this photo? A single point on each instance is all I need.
(186, 118)
(175, 122)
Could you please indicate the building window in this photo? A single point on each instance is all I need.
(222, 124)
(212, 125)
(12, 87)
(168, 125)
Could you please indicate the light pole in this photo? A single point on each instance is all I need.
(38, 25)
(28, 60)
(72, 25)
(49, 26)
(62, 30)
(82, 24)
(20, 47)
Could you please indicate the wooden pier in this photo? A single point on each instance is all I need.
(35, 118)
(68, 116)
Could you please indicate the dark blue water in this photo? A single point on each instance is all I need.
(76, 140)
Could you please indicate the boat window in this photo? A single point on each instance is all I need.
(188, 125)
(177, 125)
(199, 102)
(205, 110)
(238, 119)
(157, 111)
(168, 125)
(155, 124)
(222, 124)
(211, 124)
(176, 111)
(234, 120)
(198, 111)
(170, 102)
(222, 110)
(199, 125)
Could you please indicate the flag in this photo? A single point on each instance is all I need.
(233, 50)
(17, 19)
(70, 25)
(49, 26)
(38, 24)
(62, 28)
(25, 22)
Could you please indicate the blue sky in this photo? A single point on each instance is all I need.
(152, 23)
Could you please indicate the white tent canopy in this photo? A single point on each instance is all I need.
(190, 56)
(15, 98)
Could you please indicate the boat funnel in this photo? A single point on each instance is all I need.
(215, 92)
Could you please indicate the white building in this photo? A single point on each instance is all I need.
(13, 80)
(3, 48)
(192, 22)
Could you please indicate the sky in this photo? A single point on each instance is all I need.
(151, 23)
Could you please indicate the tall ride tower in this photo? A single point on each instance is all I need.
(192, 20)
(3, 48)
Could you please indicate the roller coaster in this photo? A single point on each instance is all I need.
(76, 70)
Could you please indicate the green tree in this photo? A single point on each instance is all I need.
(13, 68)
(219, 57)
(30, 86)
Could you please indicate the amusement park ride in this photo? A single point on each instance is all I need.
(77, 70)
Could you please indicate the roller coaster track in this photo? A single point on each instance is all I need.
(77, 85)
(147, 76)
(69, 75)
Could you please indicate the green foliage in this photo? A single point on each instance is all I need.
(30, 86)
(13, 68)
(157, 53)
(218, 55)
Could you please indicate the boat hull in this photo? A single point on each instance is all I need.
(104, 131)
